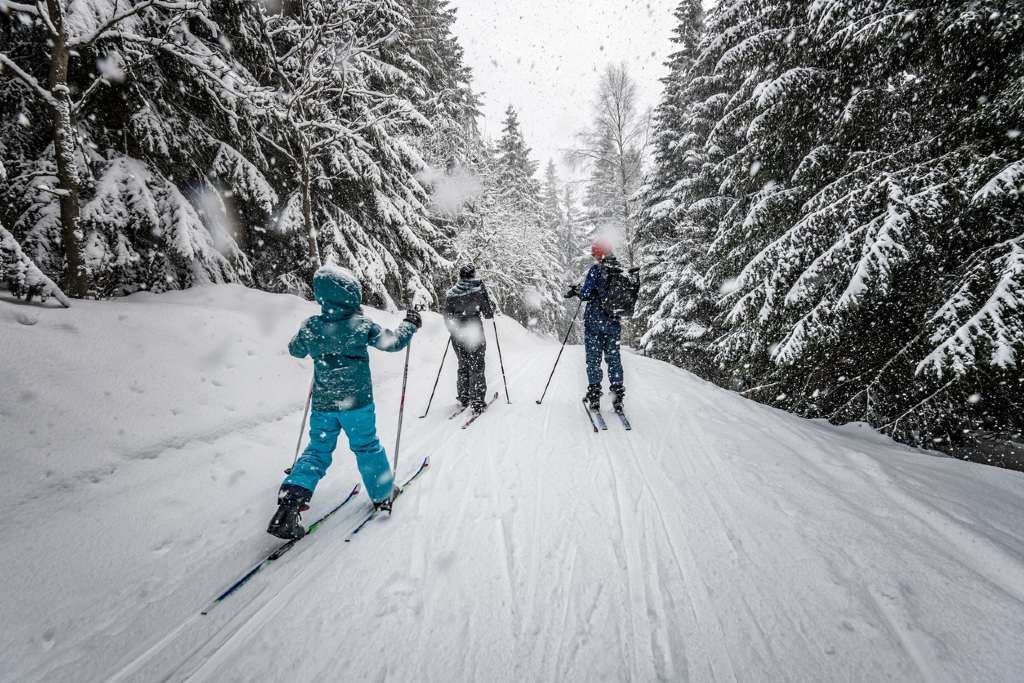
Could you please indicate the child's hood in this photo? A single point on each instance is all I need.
(338, 292)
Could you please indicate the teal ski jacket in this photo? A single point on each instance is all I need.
(337, 340)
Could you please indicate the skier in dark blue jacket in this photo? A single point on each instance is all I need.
(602, 332)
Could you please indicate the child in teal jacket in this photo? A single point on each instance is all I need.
(337, 340)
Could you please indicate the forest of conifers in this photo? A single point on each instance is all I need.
(825, 206)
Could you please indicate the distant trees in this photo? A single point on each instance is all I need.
(836, 205)
(612, 150)
(512, 240)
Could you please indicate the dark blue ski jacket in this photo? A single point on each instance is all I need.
(596, 318)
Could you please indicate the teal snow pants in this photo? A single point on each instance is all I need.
(360, 426)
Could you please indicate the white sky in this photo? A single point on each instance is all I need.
(544, 57)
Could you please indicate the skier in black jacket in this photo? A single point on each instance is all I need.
(464, 304)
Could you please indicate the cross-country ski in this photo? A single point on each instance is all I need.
(278, 552)
(259, 259)
(376, 510)
(595, 417)
(478, 413)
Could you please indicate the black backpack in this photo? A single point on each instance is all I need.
(620, 292)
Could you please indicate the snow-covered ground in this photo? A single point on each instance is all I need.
(142, 443)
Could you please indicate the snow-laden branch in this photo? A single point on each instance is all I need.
(8, 6)
(1006, 182)
(27, 78)
(199, 62)
(44, 12)
(22, 270)
(121, 16)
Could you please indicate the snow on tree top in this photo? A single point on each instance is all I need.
(336, 272)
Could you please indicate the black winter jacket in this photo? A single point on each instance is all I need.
(468, 299)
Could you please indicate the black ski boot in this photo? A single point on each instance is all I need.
(291, 502)
(593, 397)
(386, 504)
(618, 396)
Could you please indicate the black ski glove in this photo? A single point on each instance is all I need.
(573, 291)
(414, 318)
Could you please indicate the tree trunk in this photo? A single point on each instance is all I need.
(76, 277)
(307, 213)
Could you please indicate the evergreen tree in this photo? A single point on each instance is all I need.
(848, 191)
(220, 140)
(680, 206)
(560, 219)
(512, 246)
(115, 187)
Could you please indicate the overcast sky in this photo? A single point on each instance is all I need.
(544, 57)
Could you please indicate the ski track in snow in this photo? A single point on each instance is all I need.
(719, 540)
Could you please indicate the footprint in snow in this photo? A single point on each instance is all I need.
(49, 635)
(444, 561)
(400, 592)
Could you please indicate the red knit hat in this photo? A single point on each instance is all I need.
(600, 249)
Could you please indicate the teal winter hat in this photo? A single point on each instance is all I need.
(338, 291)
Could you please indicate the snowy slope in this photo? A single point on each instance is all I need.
(142, 442)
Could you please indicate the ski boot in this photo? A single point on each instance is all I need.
(618, 396)
(478, 407)
(291, 503)
(386, 504)
(593, 397)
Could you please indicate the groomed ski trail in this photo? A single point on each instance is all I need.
(719, 540)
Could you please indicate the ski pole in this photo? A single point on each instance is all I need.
(434, 390)
(501, 362)
(564, 341)
(302, 431)
(401, 407)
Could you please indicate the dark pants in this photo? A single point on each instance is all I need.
(603, 342)
(472, 385)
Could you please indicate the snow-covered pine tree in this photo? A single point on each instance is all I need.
(674, 155)
(681, 205)
(450, 104)
(867, 159)
(452, 147)
(350, 103)
(560, 219)
(137, 139)
(508, 240)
